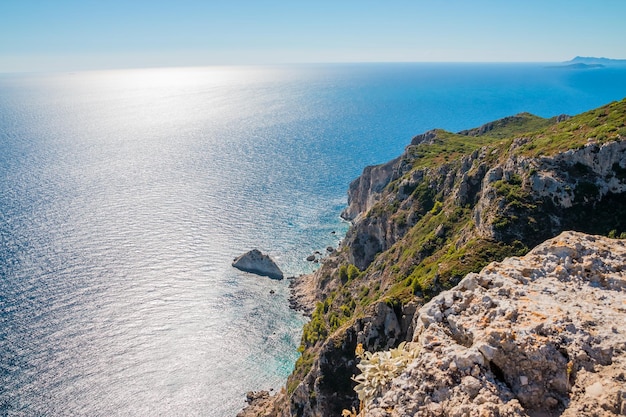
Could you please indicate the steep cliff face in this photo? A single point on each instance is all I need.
(553, 193)
(448, 206)
(364, 190)
(414, 192)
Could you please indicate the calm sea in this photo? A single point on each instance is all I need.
(125, 195)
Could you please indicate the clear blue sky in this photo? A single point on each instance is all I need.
(42, 35)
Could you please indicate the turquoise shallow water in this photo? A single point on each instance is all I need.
(124, 196)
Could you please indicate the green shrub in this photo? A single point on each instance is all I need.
(348, 273)
(436, 208)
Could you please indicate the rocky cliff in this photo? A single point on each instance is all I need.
(448, 206)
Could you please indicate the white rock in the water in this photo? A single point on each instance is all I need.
(258, 263)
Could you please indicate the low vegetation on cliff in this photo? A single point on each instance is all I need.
(448, 206)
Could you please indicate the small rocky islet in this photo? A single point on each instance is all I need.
(256, 262)
(439, 255)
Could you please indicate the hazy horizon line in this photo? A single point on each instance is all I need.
(280, 64)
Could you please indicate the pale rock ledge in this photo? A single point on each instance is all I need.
(540, 335)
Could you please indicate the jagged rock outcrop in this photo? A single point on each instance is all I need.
(258, 263)
(544, 333)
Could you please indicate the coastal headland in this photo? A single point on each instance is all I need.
(440, 255)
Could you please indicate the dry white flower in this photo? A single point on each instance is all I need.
(379, 368)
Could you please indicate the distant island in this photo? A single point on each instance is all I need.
(586, 62)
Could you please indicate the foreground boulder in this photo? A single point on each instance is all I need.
(258, 263)
(544, 334)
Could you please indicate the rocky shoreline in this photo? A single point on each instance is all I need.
(303, 292)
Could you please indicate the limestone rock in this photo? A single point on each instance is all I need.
(363, 190)
(544, 333)
(258, 263)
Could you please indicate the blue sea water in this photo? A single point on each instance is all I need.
(125, 195)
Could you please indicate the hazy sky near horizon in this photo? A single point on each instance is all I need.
(46, 35)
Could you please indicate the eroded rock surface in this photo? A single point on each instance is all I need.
(540, 335)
